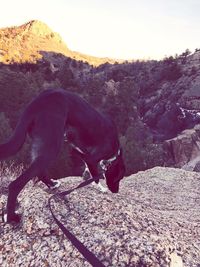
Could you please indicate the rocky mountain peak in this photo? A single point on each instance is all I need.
(39, 29)
(20, 44)
(24, 43)
(36, 27)
(33, 27)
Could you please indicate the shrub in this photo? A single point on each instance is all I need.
(8, 172)
(132, 154)
(139, 152)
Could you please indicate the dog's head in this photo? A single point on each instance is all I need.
(115, 173)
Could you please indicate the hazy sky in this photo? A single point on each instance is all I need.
(115, 28)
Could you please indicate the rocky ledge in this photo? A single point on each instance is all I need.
(153, 221)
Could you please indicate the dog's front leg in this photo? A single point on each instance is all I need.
(94, 172)
(91, 165)
(91, 168)
(87, 175)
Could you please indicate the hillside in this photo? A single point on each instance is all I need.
(151, 102)
(153, 221)
(24, 43)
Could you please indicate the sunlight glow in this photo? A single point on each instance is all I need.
(120, 29)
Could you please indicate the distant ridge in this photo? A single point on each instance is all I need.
(20, 44)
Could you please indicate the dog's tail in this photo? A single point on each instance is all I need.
(16, 141)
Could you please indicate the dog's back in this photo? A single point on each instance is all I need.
(62, 109)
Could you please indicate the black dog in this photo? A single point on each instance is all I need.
(50, 117)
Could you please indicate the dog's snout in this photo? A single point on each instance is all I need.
(114, 188)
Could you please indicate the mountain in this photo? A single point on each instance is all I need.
(24, 43)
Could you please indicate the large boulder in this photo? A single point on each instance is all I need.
(153, 221)
(185, 148)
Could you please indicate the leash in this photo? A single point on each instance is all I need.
(88, 255)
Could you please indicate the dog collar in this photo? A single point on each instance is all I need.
(115, 156)
(105, 163)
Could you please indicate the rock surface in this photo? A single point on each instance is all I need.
(153, 221)
(185, 149)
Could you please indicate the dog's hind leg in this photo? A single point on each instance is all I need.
(46, 154)
(16, 186)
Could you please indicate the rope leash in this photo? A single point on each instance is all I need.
(88, 255)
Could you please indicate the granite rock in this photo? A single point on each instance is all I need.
(153, 221)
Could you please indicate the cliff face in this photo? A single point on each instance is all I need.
(185, 149)
(153, 221)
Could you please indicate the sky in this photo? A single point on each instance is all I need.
(121, 29)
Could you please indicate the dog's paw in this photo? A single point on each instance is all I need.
(100, 187)
(54, 184)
